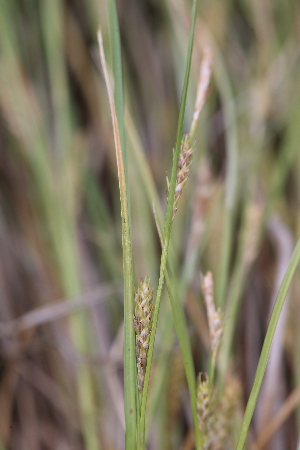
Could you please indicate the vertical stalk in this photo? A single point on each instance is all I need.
(167, 235)
(130, 382)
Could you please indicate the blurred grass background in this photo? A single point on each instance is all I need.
(61, 309)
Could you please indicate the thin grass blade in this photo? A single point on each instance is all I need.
(267, 345)
(129, 334)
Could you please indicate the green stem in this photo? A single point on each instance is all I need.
(130, 372)
(130, 376)
(167, 231)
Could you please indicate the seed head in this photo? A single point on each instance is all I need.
(142, 326)
(205, 408)
(183, 169)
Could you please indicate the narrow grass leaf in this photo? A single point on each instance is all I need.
(267, 345)
(115, 44)
(129, 335)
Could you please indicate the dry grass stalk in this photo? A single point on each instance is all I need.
(214, 316)
(116, 131)
(203, 85)
(204, 190)
(142, 326)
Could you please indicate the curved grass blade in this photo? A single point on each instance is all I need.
(267, 344)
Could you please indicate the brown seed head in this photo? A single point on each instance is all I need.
(183, 169)
(142, 326)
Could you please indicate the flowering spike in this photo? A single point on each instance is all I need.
(142, 326)
(183, 169)
(205, 408)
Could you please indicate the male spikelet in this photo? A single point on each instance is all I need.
(214, 316)
(205, 408)
(142, 326)
(186, 151)
(183, 169)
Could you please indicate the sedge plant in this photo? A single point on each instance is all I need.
(62, 360)
(137, 376)
(179, 171)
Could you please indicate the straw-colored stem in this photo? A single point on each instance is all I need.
(129, 335)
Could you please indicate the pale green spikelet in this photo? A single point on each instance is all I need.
(142, 326)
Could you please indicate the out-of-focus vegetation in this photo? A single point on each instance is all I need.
(61, 299)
